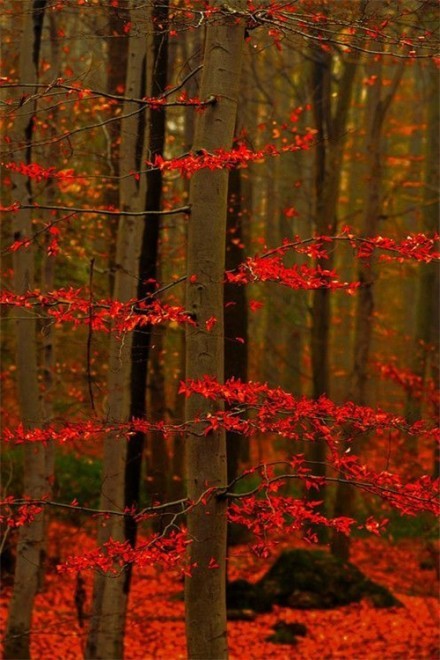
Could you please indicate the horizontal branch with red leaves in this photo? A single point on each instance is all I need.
(262, 510)
(265, 509)
(75, 306)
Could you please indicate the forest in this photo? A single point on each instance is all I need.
(220, 329)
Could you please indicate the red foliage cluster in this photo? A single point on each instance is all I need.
(38, 172)
(287, 515)
(416, 246)
(75, 306)
(14, 516)
(254, 408)
(69, 432)
(70, 306)
(220, 159)
(166, 551)
(415, 385)
(279, 411)
(272, 269)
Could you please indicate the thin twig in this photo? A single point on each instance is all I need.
(36, 207)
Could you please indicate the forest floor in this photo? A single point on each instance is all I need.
(155, 627)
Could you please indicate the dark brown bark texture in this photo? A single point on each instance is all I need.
(147, 275)
(30, 545)
(330, 122)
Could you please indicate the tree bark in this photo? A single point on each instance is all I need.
(117, 52)
(158, 462)
(31, 537)
(107, 625)
(147, 275)
(331, 126)
(206, 455)
(236, 315)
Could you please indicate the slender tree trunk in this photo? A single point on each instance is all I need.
(117, 51)
(377, 107)
(31, 537)
(147, 275)
(427, 309)
(206, 456)
(47, 284)
(331, 126)
(236, 315)
(177, 486)
(273, 365)
(157, 459)
(236, 332)
(192, 54)
(106, 632)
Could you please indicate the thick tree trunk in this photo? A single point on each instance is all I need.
(377, 106)
(31, 537)
(106, 632)
(206, 456)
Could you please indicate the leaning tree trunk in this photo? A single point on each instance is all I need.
(107, 624)
(206, 455)
(31, 537)
(376, 110)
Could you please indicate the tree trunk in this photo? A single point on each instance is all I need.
(427, 309)
(147, 273)
(157, 458)
(236, 315)
(206, 455)
(331, 127)
(117, 51)
(376, 109)
(47, 284)
(177, 487)
(106, 632)
(31, 537)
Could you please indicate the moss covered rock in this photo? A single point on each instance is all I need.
(304, 579)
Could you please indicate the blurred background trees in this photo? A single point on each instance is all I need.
(361, 78)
